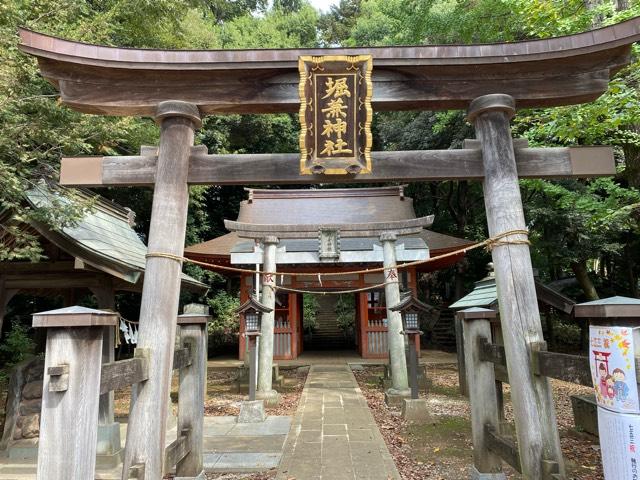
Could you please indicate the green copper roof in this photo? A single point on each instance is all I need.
(483, 295)
(103, 238)
(617, 300)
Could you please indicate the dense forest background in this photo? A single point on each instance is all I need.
(584, 232)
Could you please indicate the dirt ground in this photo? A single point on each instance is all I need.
(222, 397)
(443, 451)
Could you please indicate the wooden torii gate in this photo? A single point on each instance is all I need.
(178, 88)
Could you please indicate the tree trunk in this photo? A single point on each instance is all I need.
(461, 269)
(622, 5)
(631, 272)
(632, 160)
(582, 275)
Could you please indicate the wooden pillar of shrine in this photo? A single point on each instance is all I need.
(535, 418)
(397, 358)
(150, 400)
(265, 355)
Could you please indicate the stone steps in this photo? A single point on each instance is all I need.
(444, 333)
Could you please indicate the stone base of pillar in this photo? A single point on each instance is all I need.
(271, 398)
(252, 411)
(242, 379)
(201, 476)
(394, 398)
(25, 449)
(424, 383)
(476, 475)
(105, 462)
(415, 410)
(109, 451)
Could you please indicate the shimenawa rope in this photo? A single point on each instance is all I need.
(489, 244)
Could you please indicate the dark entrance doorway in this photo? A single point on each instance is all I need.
(334, 325)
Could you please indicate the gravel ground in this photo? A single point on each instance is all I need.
(223, 400)
(241, 476)
(444, 450)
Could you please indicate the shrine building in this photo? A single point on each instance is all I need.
(328, 211)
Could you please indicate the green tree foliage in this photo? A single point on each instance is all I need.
(227, 10)
(335, 25)
(574, 223)
(310, 307)
(346, 313)
(36, 130)
(18, 345)
(224, 326)
(400, 22)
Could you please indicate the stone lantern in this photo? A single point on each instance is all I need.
(252, 310)
(410, 308)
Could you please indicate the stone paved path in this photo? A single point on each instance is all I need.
(243, 447)
(333, 435)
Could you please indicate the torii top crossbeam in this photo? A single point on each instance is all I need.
(536, 73)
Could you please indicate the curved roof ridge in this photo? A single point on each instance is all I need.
(49, 43)
(536, 73)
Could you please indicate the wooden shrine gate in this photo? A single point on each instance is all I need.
(178, 88)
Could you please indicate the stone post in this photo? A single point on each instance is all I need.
(397, 358)
(265, 356)
(150, 400)
(533, 407)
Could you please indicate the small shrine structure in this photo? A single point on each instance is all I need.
(328, 212)
(100, 254)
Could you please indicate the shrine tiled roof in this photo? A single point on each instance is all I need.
(319, 207)
(103, 238)
(326, 206)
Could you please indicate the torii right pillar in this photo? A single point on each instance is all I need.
(533, 407)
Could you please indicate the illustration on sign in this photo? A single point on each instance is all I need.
(611, 356)
(335, 114)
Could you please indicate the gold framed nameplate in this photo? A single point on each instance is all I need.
(335, 114)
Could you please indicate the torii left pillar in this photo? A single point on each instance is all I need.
(150, 400)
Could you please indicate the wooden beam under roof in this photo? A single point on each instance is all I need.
(536, 73)
(407, 226)
(283, 168)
